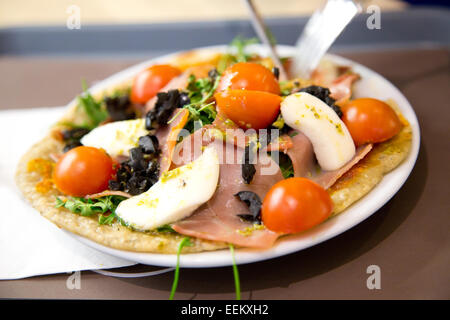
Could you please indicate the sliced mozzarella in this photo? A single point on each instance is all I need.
(117, 138)
(175, 196)
(331, 140)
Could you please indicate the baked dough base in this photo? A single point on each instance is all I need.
(351, 187)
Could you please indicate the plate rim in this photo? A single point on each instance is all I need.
(317, 235)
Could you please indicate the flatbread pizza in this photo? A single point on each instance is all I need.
(145, 163)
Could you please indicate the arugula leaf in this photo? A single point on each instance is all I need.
(105, 207)
(199, 92)
(186, 242)
(284, 162)
(106, 218)
(237, 283)
(166, 228)
(238, 44)
(92, 108)
(287, 171)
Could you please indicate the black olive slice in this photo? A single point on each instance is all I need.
(253, 201)
(248, 168)
(324, 95)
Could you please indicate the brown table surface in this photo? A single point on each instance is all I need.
(409, 238)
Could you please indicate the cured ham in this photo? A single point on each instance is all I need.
(327, 178)
(341, 87)
(218, 219)
(283, 143)
(301, 155)
(108, 193)
(304, 163)
(167, 137)
(339, 79)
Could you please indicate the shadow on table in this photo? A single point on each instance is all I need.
(293, 268)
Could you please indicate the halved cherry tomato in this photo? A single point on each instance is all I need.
(249, 76)
(294, 205)
(82, 171)
(370, 120)
(148, 82)
(249, 109)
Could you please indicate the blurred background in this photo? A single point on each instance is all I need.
(45, 53)
(53, 12)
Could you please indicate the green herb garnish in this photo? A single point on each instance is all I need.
(237, 283)
(186, 242)
(200, 90)
(284, 162)
(106, 218)
(240, 44)
(166, 228)
(92, 108)
(200, 111)
(238, 47)
(105, 207)
(287, 171)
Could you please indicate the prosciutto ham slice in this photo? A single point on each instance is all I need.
(304, 164)
(167, 137)
(218, 219)
(327, 178)
(108, 193)
(302, 155)
(283, 143)
(339, 79)
(341, 87)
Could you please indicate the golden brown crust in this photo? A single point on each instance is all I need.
(351, 187)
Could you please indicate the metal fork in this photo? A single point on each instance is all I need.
(320, 32)
(262, 33)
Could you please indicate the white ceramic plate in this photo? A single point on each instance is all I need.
(370, 85)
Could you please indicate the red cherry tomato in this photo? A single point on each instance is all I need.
(148, 82)
(370, 120)
(294, 205)
(249, 109)
(82, 171)
(249, 76)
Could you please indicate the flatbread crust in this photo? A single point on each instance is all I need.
(351, 187)
(115, 236)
